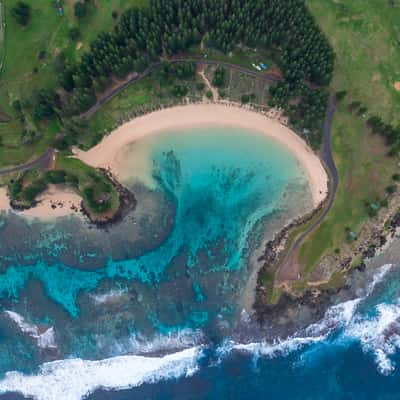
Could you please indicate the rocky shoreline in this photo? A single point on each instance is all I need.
(127, 203)
(296, 310)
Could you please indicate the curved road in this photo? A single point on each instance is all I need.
(289, 268)
(41, 162)
(285, 269)
(153, 67)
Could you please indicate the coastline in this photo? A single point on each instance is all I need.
(55, 202)
(357, 262)
(108, 153)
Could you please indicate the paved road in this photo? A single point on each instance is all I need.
(153, 67)
(42, 162)
(289, 268)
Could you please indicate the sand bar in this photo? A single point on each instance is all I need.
(108, 153)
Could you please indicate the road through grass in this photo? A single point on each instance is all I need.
(366, 42)
(24, 70)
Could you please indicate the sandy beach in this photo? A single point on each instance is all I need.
(109, 152)
(53, 203)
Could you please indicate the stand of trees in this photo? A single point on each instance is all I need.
(21, 12)
(388, 131)
(169, 27)
(172, 26)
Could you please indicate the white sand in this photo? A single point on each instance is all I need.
(53, 203)
(109, 152)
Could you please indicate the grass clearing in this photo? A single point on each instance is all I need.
(23, 71)
(136, 99)
(366, 42)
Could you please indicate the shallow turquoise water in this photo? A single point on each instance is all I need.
(225, 186)
(181, 290)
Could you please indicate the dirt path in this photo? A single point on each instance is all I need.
(213, 90)
(132, 78)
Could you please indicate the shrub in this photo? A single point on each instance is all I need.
(341, 95)
(15, 188)
(209, 94)
(42, 55)
(245, 98)
(31, 191)
(74, 33)
(384, 203)
(57, 176)
(80, 9)
(219, 77)
(16, 105)
(391, 189)
(200, 86)
(22, 13)
(396, 177)
(114, 14)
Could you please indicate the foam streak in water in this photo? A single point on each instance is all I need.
(44, 340)
(74, 379)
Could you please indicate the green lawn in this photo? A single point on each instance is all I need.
(135, 95)
(2, 35)
(49, 32)
(366, 41)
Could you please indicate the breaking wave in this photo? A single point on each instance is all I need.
(376, 331)
(73, 379)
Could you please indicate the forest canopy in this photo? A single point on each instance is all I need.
(144, 36)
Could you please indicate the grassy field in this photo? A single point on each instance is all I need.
(2, 35)
(136, 95)
(367, 44)
(138, 98)
(23, 71)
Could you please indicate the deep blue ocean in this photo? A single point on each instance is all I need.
(153, 308)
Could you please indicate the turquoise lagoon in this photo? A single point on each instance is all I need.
(176, 268)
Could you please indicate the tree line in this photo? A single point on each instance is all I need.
(168, 27)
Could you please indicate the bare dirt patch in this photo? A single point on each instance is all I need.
(3, 116)
(397, 86)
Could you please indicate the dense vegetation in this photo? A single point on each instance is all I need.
(98, 194)
(21, 12)
(169, 27)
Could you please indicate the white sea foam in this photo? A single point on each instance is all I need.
(107, 297)
(138, 344)
(335, 317)
(278, 347)
(378, 334)
(378, 277)
(44, 340)
(74, 379)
